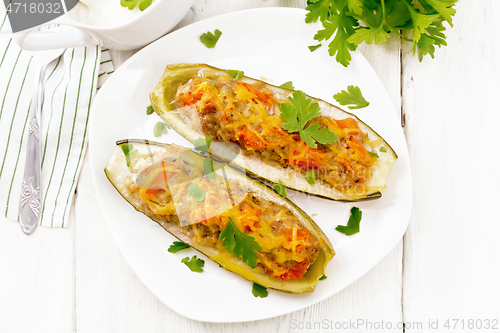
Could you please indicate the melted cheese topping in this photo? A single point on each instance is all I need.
(248, 115)
(288, 249)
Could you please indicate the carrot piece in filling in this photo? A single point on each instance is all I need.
(195, 94)
(347, 123)
(303, 155)
(265, 97)
(250, 217)
(296, 272)
(359, 152)
(250, 138)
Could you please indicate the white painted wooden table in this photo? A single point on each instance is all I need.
(446, 267)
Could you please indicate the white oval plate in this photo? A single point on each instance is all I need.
(270, 43)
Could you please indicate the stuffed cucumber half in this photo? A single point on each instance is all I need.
(309, 144)
(201, 202)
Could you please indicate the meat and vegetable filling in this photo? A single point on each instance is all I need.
(249, 115)
(288, 249)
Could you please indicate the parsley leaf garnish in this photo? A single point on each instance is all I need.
(202, 145)
(159, 129)
(129, 152)
(131, 4)
(383, 150)
(177, 246)
(311, 177)
(209, 39)
(348, 23)
(353, 223)
(324, 277)
(195, 191)
(373, 154)
(281, 189)
(240, 244)
(208, 169)
(313, 134)
(194, 264)
(150, 110)
(313, 48)
(235, 74)
(288, 85)
(259, 291)
(298, 113)
(351, 96)
(212, 83)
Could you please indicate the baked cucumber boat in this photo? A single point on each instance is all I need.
(195, 202)
(201, 101)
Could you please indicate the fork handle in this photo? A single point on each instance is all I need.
(30, 203)
(61, 37)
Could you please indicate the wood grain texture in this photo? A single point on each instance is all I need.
(36, 279)
(96, 290)
(452, 250)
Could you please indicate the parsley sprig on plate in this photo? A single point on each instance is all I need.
(159, 129)
(210, 39)
(240, 244)
(314, 47)
(195, 264)
(177, 246)
(150, 110)
(259, 291)
(298, 113)
(352, 96)
(352, 22)
(353, 223)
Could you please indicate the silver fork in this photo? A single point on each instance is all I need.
(30, 203)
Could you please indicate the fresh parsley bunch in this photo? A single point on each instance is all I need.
(352, 22)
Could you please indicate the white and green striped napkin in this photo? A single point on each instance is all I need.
(70, 84)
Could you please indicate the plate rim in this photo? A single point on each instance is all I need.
(401, 154)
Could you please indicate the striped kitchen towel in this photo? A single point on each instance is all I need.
(70, 84)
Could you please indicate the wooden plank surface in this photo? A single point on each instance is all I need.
(76, 279)
(36, 279)
(452, 252)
